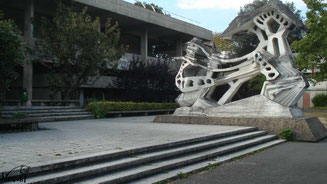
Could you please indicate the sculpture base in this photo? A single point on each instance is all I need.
(257, 106)
(304, 129)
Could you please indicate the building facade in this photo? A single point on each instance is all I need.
(143, 30)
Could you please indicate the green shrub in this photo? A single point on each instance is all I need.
(286, 134)
(19, 115)
(320, 100)
(149, 6)
(100, 109)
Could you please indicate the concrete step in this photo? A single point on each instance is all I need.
(116, 157)
(151, 168)
(192, 151)
(128, 162)
(50, 114)
(164, 177)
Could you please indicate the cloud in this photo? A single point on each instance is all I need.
(221, 4)
(298, 3)
(211, 4)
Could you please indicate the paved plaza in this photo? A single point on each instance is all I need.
(71, 139)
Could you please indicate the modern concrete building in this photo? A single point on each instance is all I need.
(146, 32)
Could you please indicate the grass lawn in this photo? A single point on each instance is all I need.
(320, 108)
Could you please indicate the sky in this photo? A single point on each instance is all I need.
(214, 15)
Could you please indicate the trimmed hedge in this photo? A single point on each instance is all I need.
(100, 109)
(320, 100)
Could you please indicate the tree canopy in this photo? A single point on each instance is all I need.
(312, 49)
(77, 49)
(260, 3)
(147, 81)
(12, 51)
(252, 6)
(149, 6)
(221, 44)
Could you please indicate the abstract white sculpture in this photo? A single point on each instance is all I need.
(203, 70)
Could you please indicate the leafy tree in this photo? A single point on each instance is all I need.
(149, 7)
(221, 44)
(147, 81)
(252, 6)
(256, 4)
(12, 51)
(312, 48)
(77, 49)
(250, 88)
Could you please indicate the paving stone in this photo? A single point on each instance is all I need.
(86, 137)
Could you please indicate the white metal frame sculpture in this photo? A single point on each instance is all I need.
(203, 70)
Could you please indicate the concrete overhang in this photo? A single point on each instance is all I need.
(147, 16)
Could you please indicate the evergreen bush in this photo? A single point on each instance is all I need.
(320, 100)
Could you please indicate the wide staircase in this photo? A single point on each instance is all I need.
(45, 113)
(156, 163)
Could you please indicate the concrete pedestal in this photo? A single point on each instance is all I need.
(257, 106)
(304, 129)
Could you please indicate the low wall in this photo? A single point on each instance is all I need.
(304, 129)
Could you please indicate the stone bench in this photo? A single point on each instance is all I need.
(32, 123)
(29, 124)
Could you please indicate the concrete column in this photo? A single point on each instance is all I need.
(99, 25)
(28, 36)
(179, 48)
(81, 97)
(144, 45)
